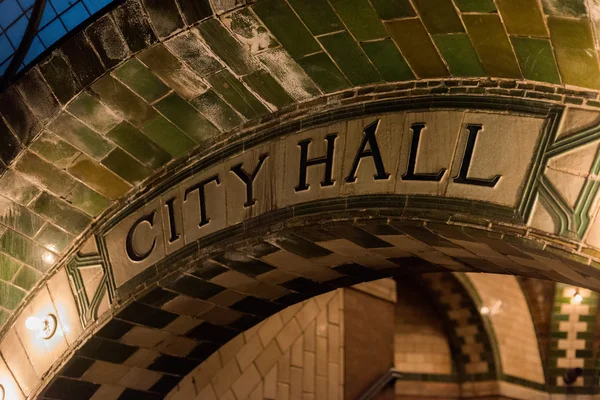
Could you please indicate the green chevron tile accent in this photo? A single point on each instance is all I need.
(324, 72)
(459, 54)
(387, 59)
(360, 18)
(318, 16)
(141, 80)
(126, 166)
(540, 67)
(523, 17)
(439, 16)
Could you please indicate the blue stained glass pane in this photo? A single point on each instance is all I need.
(15, 32)
(52, 32)
(4, 65)
(74, 16)
(25, 4)
(35, 50)
(62, 5)
(9, 12)
(47, 16)
(6, 50)
(96, 5)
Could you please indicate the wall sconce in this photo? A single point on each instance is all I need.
(45, 327)
(577, 297)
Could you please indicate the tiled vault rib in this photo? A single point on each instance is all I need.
(168, 331)
(152, 80)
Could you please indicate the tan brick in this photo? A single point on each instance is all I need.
(244, 385)
(322, 356)
(288, 335)
(333, 311)
(207, 370)
(321, 388)
(296, 384)
(290, 312)
(207, 393)
(308, 378)
(232, 347)
(333, 383)
(270, 384)
(323, 299)
(228, 396)
(257, 393)
(283, 368)
(283, 391)
(307, 313)
(248, 334)
(185, 390)
(310, 337)
(333, 342)
(270, 329)
(322, 324)
(248, 353)
(268, 358)
(308, 396)
(298, 352)
(225, 378)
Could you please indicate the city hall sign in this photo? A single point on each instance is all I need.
(485, 156)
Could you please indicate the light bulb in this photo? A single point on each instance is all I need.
(484, 310)
(33, 323)
(577, 298)
(45, 327)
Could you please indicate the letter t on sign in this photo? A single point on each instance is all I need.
(201, 196)
(305, 162)
(466, 162)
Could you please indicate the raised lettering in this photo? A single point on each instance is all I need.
(410, 174)
(249, 179)
(370, 139)
(305, 162)
(131, 253)
(466, 162)
(201, 196)
(172, 224)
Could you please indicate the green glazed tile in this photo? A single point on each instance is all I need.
(387, 59)
(194, 53)
(492, 45)
(482, 6)
(138, 145)
(459, 54)
(248, 29)
(393, 9)
(8, 267)
(141, 80)
(318, 16)
(80, 136)
(87, 200)
(217, 111)
(168, 137)
(536, 59)
(226, 47)
(98, 178)
(349, 57)
(172, 71)
(267, 87)
(123, 101)
(360, 18)
(236, 94)
(44, 174)
(10, 296)
(281, 20)
(19, 218)
(4, 315)
(567, 8)
(53, 149)
(575, 54)
(324, 72)
(522, 17)
(27, 278)
(417, 48)
(186, 118)
(126, 166)
(61, 213)
(25, 250)
(439, 16)
(53, 238)
(14, 186)
(93, 113)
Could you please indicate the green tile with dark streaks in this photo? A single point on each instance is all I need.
(387, 59)
(87, 200)
(80, 136)
(268, 88)
(217, 110)
(281, 20)
(190, 48)
(44, 174)
(138, 145)
(123, 101)
(522, 17)
(459, 54)
(418, 49)
(19, 218)
(4, 315)
(350, 58)
(481, 6)
(27, 277)
(14, 186)
(360, 18)
(55, 150)
(24, 250)
(387, 9)
(126, 166)
(61, 213)
(575, 52)
(220, 41)
(324, 72)
(567, 8)
(536, 59)
(8, 267)
(186, 118)
(10, 296)
(236, 94)
(168, 137)
(492, 45)
(439, 16)
(98, 178)
(93, 113)
(141, 80)
(53, 238)
(318, 16)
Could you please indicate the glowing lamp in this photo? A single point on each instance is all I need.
(45, 327)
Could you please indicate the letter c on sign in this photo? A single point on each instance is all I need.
(131, 253)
